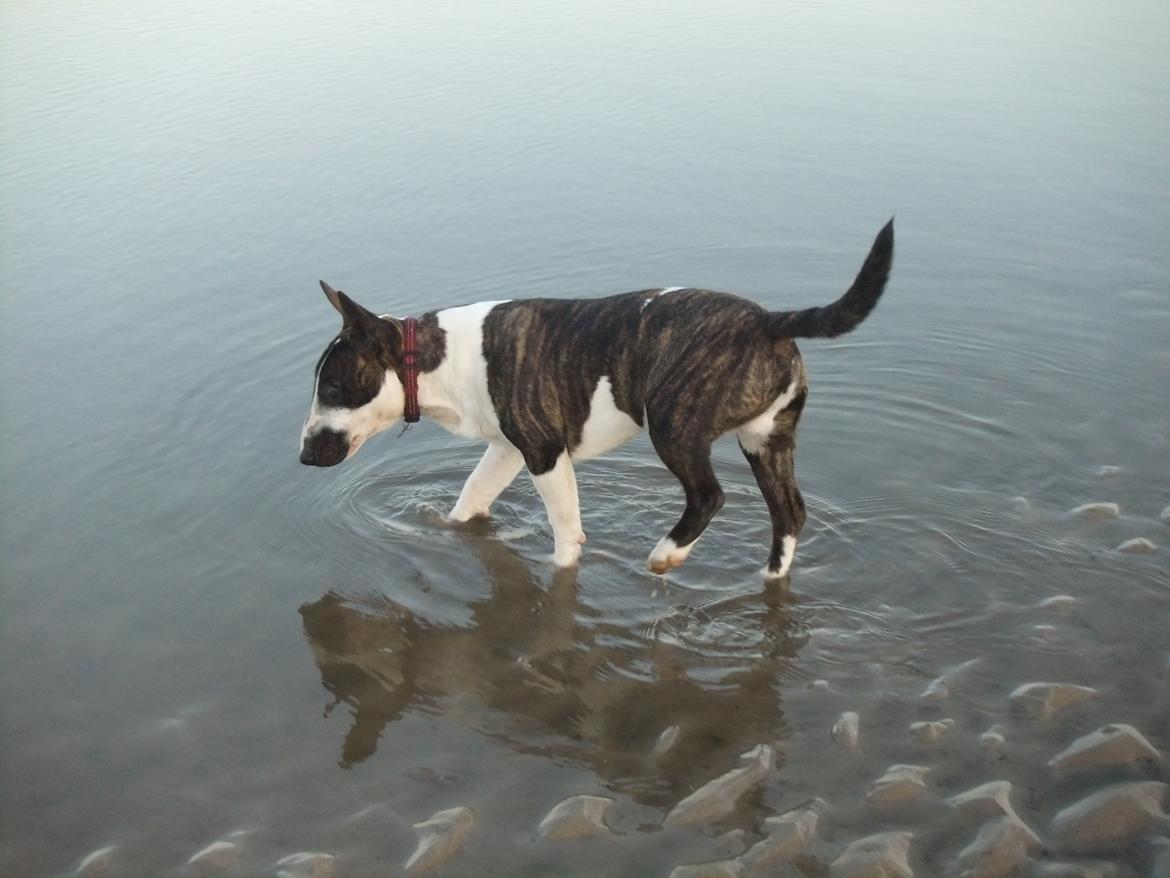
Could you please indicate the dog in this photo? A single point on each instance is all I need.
(548, 383)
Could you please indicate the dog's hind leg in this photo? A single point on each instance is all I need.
(690, 462)
(771, 457)
(495, 471)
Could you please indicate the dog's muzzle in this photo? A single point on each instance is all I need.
(325, 448)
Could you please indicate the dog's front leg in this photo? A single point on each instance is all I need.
(495, 471)
(558, 490)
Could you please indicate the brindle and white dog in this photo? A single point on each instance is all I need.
(550, 382)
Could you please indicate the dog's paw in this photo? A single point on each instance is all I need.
(788, 551)
(464, 514)
(567, 554)
(667, 555)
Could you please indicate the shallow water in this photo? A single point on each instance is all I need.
(201, 636)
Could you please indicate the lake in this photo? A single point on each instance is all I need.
(202, 637)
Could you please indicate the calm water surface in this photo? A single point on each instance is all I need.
(201, 636)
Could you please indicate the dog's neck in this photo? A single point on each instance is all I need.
(440, 398)
(438, 385)
(452, 385)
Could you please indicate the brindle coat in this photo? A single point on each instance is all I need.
(687, 365)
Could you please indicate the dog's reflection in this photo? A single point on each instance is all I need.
(554, 678)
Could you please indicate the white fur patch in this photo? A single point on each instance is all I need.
(607, 426)
(669, 554)
(753, 435)
(788, 551)
(456, 393)
(661, 292)
(314, 407)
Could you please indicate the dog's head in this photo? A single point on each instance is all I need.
(356, 391)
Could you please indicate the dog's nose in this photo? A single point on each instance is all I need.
(308, 456)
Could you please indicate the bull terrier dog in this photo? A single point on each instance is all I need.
(551, 382)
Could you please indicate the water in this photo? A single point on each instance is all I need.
(202, 636)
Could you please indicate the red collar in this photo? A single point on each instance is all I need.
(411, 411)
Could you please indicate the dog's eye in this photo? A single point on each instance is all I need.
(330, 390)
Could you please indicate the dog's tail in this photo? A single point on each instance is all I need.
(853, 307)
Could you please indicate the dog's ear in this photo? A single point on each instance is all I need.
(353, 315)
(395, 323)
(333, 296)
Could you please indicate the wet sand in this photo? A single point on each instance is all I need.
(509, 719)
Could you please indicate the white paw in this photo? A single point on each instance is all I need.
(787, 553)
(463, 513)
(667, 555)
(567, 554)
